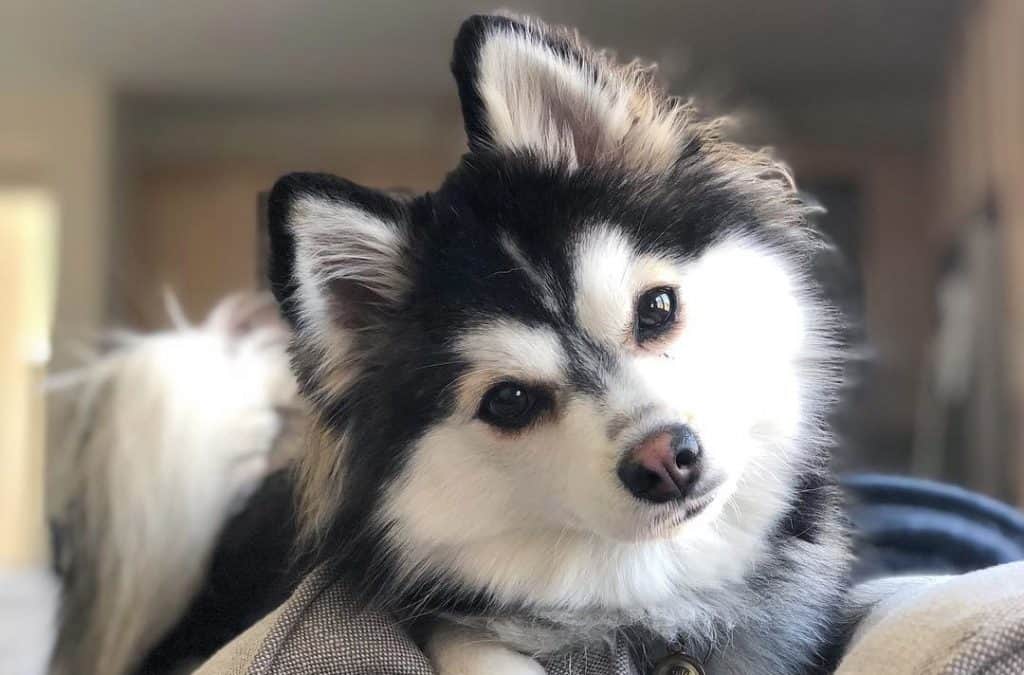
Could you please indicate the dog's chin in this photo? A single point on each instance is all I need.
(666, 521)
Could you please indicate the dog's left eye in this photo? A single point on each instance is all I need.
(508, 405)
(655, 313)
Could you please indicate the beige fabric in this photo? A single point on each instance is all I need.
(235, 657)
(965, 625)
(321, 629)
(968, 625)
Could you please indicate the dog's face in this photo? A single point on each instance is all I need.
(597, 338)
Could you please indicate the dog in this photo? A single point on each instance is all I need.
(581, 389)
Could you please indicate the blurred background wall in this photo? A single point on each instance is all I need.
(157, 125)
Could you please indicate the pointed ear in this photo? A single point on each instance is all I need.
(528, 87)
(339, 252)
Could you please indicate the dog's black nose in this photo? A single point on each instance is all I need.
(664, 466)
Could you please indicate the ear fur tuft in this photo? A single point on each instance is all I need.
(529, 87)
(339, 251)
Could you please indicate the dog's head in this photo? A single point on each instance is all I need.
(595, 342)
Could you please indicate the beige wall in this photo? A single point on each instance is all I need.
(983, 164)
(59, 134)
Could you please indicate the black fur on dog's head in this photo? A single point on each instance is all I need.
(585, 186)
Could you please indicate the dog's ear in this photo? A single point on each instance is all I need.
(528, 87)
(339, 252)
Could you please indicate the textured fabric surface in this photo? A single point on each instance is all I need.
(321, 629)
(236, 657)
(960, 625)
(964, 625)
(999, 650)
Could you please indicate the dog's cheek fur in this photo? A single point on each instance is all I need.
(551, 479)
(735, 370)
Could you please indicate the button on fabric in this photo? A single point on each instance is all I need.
(678, 664)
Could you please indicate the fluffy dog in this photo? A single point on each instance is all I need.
(577, 391)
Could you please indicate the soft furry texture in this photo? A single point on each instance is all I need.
(168, 435)
(585, 188)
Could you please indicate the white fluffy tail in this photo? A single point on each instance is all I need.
(168, 435)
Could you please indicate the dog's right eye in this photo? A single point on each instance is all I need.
(508, 405)
(656, 312)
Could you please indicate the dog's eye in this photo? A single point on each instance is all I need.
(508, 405)
(655, 312)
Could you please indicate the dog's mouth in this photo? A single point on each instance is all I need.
(670, 516)
(692, 507)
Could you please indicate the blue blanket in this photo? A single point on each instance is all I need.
(908, 525)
